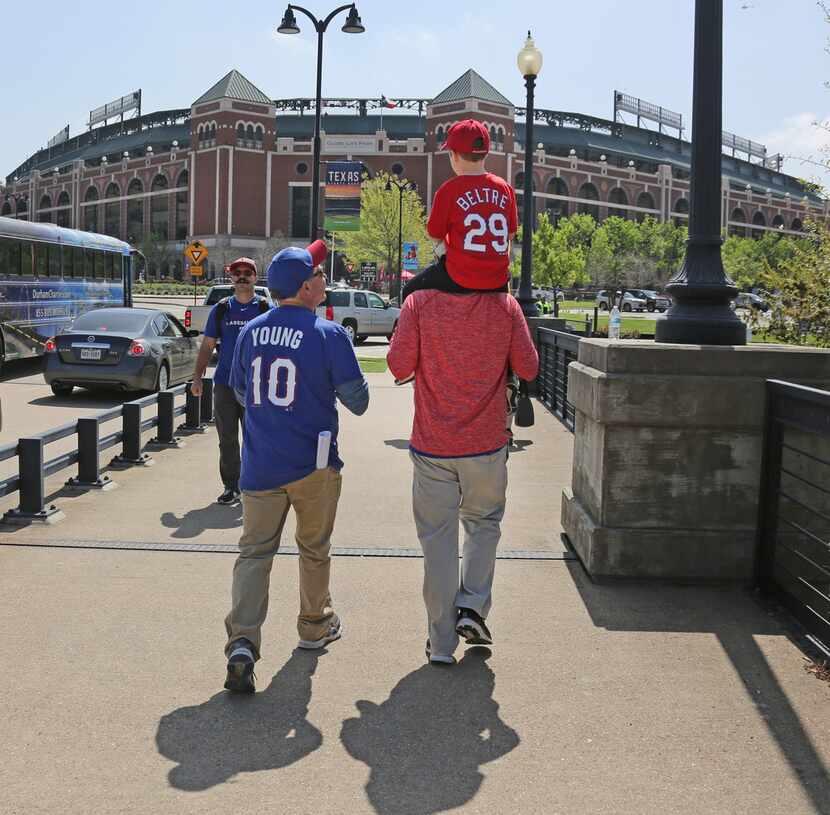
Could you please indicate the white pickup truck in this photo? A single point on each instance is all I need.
(195, 317)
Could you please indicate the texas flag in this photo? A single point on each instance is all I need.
(386, 103)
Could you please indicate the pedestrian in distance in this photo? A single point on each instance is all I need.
(223, 324)
(459, 333)
(288, 370)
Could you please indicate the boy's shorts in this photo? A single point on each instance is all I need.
(438, 278)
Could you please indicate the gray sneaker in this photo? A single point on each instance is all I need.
(334, 632)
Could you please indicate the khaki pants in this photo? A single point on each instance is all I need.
(314, 499)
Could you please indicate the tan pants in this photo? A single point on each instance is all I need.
(314, 499)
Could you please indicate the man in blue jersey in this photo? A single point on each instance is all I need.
(289, 367)
(225, 320)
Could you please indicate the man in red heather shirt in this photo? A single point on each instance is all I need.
(458, 347)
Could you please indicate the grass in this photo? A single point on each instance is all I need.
(372, 366)
(628, 325)
(569, 305)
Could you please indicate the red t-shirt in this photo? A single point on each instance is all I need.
(475, 215)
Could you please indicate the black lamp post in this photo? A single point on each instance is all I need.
(402, 187)
(530, 63)
(353, 25)
(701, 290)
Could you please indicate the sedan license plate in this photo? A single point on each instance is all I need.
(90, 353)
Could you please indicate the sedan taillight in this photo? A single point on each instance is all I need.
(51, 346)
(187, 318)
(138, 349)
(330, 313)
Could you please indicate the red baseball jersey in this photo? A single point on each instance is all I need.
(475, 215)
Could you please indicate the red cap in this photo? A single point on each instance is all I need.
(318, 251)
(242, 262)
(468, 136)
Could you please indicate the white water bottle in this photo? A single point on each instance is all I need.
(323, 445)
(614, 324)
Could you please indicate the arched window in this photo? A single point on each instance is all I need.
(778, 222)
(23, 206)
(135, 211)
(589, 192)
(7, 209)
(45, 203)
(758, 219)
(740, 216)
(63, 217)
(645, 200)
(259, 136)
(556, 209)
(249, 135)
(681, 207)
(439, 136)
(618, 196)
(182, 206)
(159, 208)
(91, 210)
(797, 225)
(112, 210)
(240, 135)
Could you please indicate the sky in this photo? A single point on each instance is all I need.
(62, 61)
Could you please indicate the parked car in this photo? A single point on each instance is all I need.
(752, 301)
(362, 313)
(626, 301)
(195, 317)
(546, 293)
(654, 300)
(136, 349)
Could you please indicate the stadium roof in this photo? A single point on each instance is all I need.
(471, 86)
(234, 86)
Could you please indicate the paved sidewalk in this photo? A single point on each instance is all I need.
(595, 699)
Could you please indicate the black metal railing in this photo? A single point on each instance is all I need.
(33, 469)
(557, 350)
(793, 561)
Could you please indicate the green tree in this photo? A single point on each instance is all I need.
(157, 255)
(614, 248)
(377, 239)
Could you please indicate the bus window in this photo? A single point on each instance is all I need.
(68, 255)
(54, 261)
(41, 259)
(99, 266)
(78, 262)
(26, 260)
(9, 257)
(109, 265)
(89, 264)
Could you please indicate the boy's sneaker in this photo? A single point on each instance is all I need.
(334, 632)
(439, 659)
(240, 678)
(228, 497)
(471, 627)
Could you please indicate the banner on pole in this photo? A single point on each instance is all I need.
(410, 256)
(342, 209)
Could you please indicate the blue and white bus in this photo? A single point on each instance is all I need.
(49, 275)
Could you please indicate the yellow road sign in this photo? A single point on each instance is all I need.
(196, 271)
(196, 253)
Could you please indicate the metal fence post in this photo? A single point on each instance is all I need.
(596, 319)
(207, 401)
(131, 437)
(89, 470)
(192, 413)
(587, 325)
(166, 415)
(32, 488)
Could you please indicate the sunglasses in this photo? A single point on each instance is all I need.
(242, 274)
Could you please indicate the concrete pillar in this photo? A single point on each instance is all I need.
(667, 455)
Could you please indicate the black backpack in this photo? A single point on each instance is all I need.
(222, 307)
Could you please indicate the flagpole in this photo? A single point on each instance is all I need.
(382, 106)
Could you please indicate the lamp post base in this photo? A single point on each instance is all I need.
(529, 308)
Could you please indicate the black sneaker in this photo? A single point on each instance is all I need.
(228, 497)
(438, 659)
(471, 627)
(240, 678)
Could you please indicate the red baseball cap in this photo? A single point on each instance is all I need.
(468, 136)
(251, 264)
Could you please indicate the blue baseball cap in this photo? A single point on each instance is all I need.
(291, 267)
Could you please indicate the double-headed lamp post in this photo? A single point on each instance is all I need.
(353, 25)
(402, 187)
(530, 63)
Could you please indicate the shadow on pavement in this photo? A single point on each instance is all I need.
(424, 745)
(196, 521)
(102, 399)
(736, 619)
(398, 444)
(231, 734)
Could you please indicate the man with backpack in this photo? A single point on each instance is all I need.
(223, 324)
